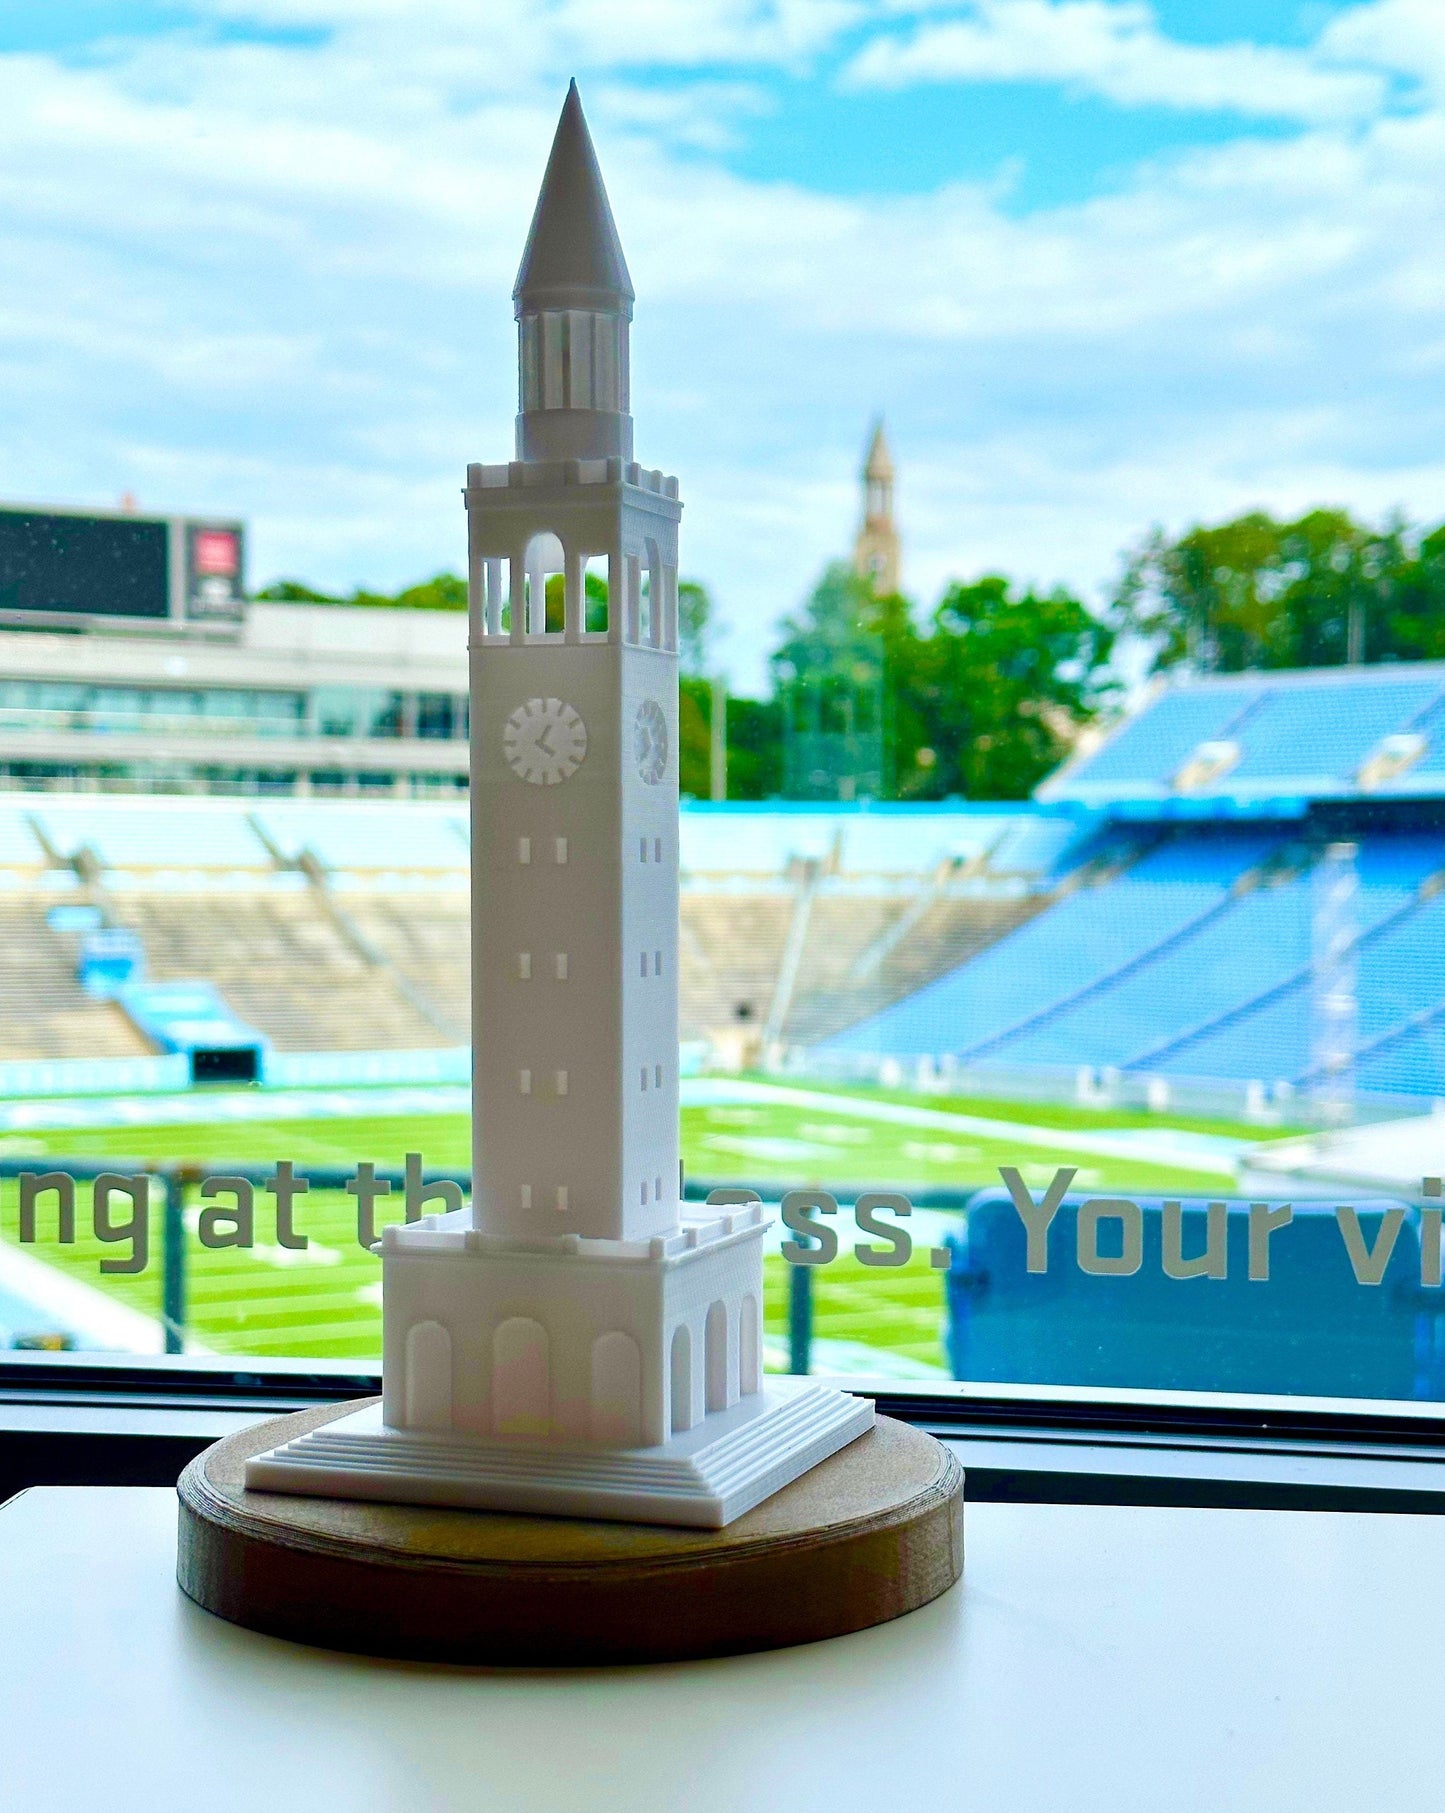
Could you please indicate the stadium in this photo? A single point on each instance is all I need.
(1219, 927)
(1251, 901)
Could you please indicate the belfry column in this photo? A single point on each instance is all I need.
(574, 760)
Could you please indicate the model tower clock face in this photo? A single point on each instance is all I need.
(650, 741)
(544, 741)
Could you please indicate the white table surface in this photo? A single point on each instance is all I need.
(1095, 1658)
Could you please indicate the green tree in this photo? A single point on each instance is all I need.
(1416, 605)
(990, 699)
(829, 681)
(694, 627)
(1256, 592)
(594, 590)
(833, 634)
(694, 748)
(695, 689)
(755, 748)
(292, 591)
(442, 592)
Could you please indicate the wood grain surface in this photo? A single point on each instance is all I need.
(871, 1533)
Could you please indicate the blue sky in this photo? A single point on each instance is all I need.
(1101, 263)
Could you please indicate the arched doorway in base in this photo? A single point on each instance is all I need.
(716, 1338)
(616, 1408)
(680, 1378)
(428, 1376)
(521, 1378)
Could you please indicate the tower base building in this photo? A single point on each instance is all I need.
(600, 1378)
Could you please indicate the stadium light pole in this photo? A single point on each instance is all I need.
(718, 741)
(800, 1320)
(1335, 1004)
(173, 1259)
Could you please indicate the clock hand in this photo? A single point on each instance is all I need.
(544, 743)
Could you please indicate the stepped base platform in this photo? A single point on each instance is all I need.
(703, 1477)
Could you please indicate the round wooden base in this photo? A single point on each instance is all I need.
(873, 1532)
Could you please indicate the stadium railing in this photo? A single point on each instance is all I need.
(84, 1418)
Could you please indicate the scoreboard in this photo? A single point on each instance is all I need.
(71, 568)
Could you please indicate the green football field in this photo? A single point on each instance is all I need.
(324, 1302)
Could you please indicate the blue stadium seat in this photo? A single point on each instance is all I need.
(1268, 1041)
(1227, 961)
(1315, 736)
(1427, 773)
(1300, 735)
(1086, 937)
(1164, 971)
(1152, 747)
(1411, 1063)
(1311, 1329)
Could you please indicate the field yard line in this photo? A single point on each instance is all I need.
(1189, 1151)
(203, 1107)
(1163, 1146)
(97, 1319)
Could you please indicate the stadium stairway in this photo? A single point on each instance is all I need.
(213, 896)
(425, 937)
(735, 951)
(281, 964)
(346, 972)
(837, 985)
(343, 925)
(1118, 913)
(731, 949)
(453, 1028)
(44, 1012)
(1101, 1017)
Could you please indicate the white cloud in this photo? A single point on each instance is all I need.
(1114, 48)
(275, 280)
(1404, 37)
(522, 38)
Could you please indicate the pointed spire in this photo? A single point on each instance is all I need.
(573, 258)
(879, 463)
(876, 552)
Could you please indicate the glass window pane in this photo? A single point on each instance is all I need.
(1060, 951)
(436, 714)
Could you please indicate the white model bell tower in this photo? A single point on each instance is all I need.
(574, 770)
(579, 1341)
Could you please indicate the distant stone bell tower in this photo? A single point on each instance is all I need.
(877, 555)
